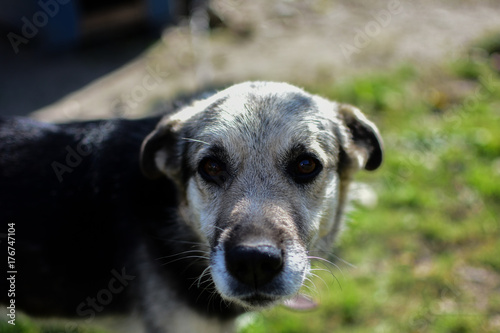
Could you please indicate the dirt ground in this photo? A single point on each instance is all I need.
(286, 40)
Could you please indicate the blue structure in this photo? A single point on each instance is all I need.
(58, 24)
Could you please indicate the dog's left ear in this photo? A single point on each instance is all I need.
(159, 155)
(365, 144)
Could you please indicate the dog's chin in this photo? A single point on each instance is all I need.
(257, 301)
(299, 302)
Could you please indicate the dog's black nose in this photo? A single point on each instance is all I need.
(254, 265)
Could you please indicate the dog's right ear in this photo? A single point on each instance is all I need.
(159, 155)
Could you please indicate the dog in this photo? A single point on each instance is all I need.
(189, 218)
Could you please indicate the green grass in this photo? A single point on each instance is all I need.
(427, 257)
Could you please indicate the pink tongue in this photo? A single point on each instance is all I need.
(300, 303)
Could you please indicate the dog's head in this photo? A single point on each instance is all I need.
(262, 170)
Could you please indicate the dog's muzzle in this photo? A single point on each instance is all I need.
(257, 274)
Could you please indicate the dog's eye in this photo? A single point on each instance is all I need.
(305, 168)
(212, 170)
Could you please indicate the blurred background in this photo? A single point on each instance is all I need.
(421, 250)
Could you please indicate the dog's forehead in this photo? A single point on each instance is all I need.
(267, 119)
(263, 108)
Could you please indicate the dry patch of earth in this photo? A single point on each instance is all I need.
(286, 40)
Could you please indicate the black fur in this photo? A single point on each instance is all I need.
(82, 208)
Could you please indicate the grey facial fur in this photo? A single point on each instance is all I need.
(237, 160)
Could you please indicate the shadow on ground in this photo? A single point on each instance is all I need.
(32, 78)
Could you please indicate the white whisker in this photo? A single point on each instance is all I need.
(187, 257)
(195, 140)
(182, 253)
